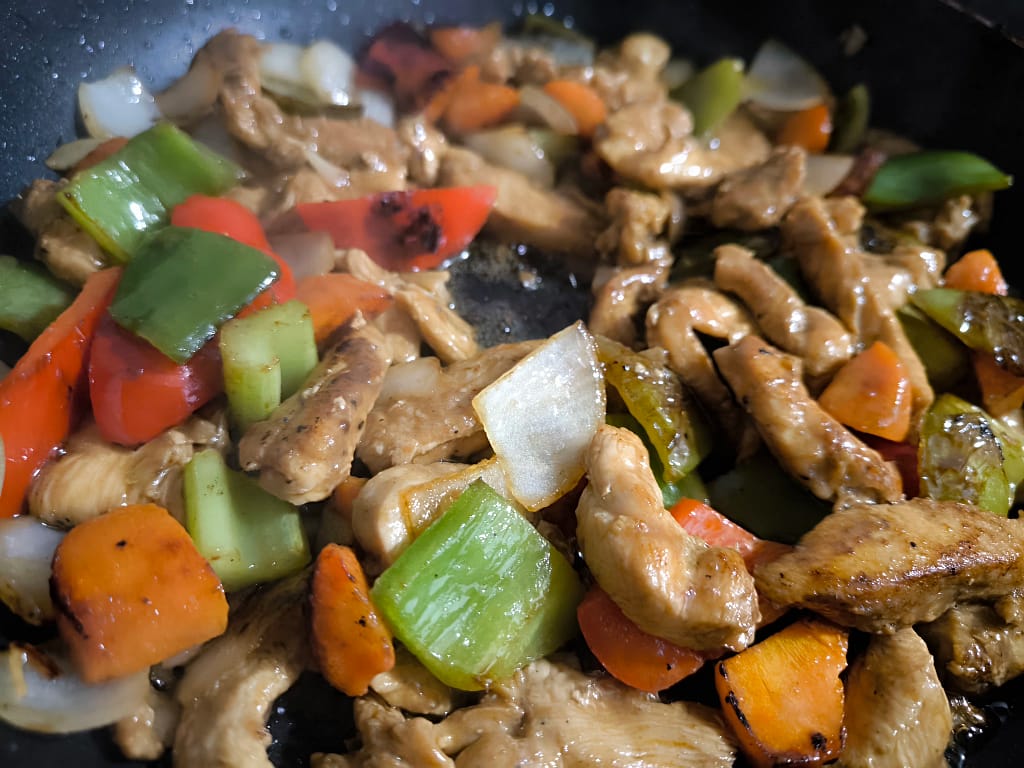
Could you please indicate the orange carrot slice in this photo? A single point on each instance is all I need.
(475, 105)
(581, 101)
(334, 298)
(871, 393)
(977, 271)
(809, 128)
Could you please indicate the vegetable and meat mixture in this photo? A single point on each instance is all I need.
(252, 436)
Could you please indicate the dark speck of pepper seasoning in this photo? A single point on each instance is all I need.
(121, 544)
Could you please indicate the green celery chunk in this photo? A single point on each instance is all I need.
(655, 398)
(963, 458)
(248, 535)
(945, 358)
(183, 284)
(134, 190)
(30, 297)
(906, 181)
(480, 593)
(712, 94)
(759, 495)
(852, 117)
(983, 321)
(267, 356)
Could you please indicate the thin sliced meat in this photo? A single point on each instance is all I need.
(976, 648)
(620, 300)
(638, 222)
(758, 197)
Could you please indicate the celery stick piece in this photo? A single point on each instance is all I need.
(479, 593)
(248, 535)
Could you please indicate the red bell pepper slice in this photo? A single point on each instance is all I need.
(402, 59)
(40, 398)
(416, 229)
(138, 392)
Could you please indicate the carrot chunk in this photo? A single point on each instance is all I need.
(871, 393)
(475, 104)
(783, 697)
(335, 297)
(581, 101)
(132, 590)
(809, 128)
(351, 643)
(977, 271)
(461, 44)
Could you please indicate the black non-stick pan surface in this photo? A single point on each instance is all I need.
(937, 74)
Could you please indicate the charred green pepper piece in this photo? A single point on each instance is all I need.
(983, 321)
(712, 94)
(945, 358)
(851, 122)
(962, 458)
(655, 398)
(907, 181)
(30, 297)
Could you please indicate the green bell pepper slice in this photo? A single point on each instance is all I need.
(30, 297)
(479, 593)
(853, 114)
(183, 284)
(134, 190)
(945, 358)
(249, 535)
(907, 181)
(712, 94)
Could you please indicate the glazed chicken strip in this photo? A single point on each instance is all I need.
(810, 444)
(896, 713)
(306, 446)
(228, 689)
(976, 648)
(882, 567)
(758, 197)
(670, 583)
(810, 333)
(620, 299)
(425, 412)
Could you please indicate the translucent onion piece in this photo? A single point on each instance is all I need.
(191, 97)
(118, 105)
(513, 147)
(328, 71)
(677, 72)
(328, 171)
(547, 109)
(67, 156)
(541, 415)
(40, 692)
(416, 378)
(824, 172)
(779, 79)
(378, 106)
(307, 253)
(26, 550)
(281, 72)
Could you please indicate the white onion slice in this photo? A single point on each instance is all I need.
(779, 79)
(541, 415)
(40, 692)
(118, 105)
(416, 378)
(328, 71)
(307, 253)
(547, 109)
(677, 72)
(824, 172)
(328, 171)
(379, 107)
(67, 156)
(26, 550)
(513, 147)
(192, 96)
(281, 72)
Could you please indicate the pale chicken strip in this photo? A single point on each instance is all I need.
(809, 443)
(882, 567)
(670, 583)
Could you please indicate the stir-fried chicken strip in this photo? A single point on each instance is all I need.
(670, 583)
(638, 221)
(425, 412)
(622, 297)
(975, 647)
(896, 713)
(673, 324)
(94, 476)
(411, 687)
(835, 269)
(227, 691)
(881, 567)
(305, 448)
(427, 146)
(758, 197)
(548, 715)
(629, 74)
(809, 443)
(149, 731)
(810, 333)
(525, 212)
(907, 268)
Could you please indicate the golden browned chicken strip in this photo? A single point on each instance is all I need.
(670, 583)
(882, 567)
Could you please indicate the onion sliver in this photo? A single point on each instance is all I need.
(513, 147)
(677, 72)
(191, 97)
(118, 105)
(779, 79)
(541, 415)
(307, 253)
(547, 109)
(26, 550)
(328, 171)
(328, 71)
(67, 156)
(378, 106)
(824, 172)
(281, 72)
(40, 692)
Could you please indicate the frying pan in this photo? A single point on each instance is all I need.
(947, 74)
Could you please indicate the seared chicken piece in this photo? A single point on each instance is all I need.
(228, 689)
(525, 212)
(975, 648)
(896, 713)
(638, 222)
(306, 446)
(425, 412)
(411, 687)
(882, 567)
(94, 476)
(620, 299)
(758, 197)
(628, 75)
(670, 583)
(427, 146)
(673, 324)
(548, 715)
(149, 731)
(811, 445)
(810, 333)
